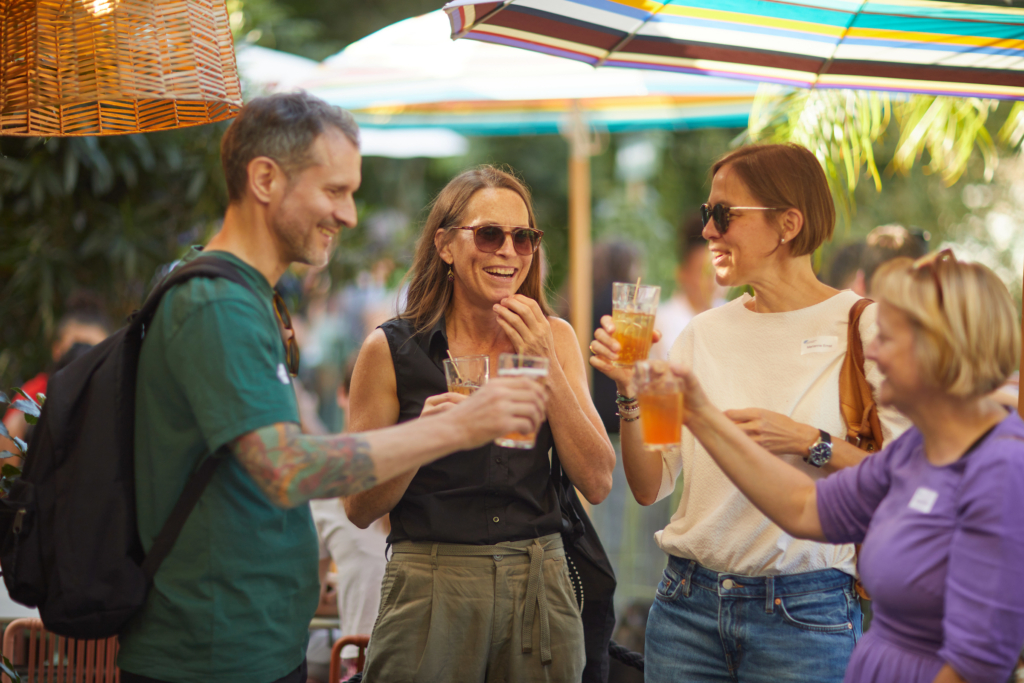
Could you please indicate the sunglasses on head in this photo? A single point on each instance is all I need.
(291, 346)
(722, 213)
(932, 262)
(490, 238)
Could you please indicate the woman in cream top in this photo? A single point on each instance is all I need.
(740, 598)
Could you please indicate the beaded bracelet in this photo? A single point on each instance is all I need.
(629, 408)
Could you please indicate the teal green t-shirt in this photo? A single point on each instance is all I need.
(233, 600)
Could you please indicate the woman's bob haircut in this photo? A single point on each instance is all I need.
(430, 292)
(967, 335)
(787, 176)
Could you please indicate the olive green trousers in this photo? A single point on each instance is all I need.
(477, 614)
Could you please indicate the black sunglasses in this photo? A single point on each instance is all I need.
(490, 238)
(291, 347)
(722, 213)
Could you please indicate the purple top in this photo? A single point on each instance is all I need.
(943, 557)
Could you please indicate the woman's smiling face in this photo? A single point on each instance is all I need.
(486, 278)
(742, 252)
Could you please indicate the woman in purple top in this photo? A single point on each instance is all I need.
(940, 510)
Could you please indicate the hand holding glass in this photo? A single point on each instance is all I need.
(515, 365)
(466, 374)
(633, 310)
(660, 394)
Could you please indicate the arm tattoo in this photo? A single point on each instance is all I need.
(292, 467)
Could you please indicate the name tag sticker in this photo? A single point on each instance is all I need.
(923, 500)
(818, 345)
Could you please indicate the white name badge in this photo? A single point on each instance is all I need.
(923, 500)
(818, 345)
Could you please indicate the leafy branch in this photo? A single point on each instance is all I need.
(842, 127)
(32, 411)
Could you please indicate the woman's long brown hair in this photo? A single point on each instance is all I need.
(430, 292)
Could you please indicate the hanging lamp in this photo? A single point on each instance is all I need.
(108, 67)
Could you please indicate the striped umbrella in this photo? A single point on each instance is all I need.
(918, 46)
(412, 75)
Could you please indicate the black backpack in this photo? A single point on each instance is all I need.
(72, 548)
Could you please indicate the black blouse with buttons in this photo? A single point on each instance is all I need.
(478, 497)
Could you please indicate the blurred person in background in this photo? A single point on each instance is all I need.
(740, 598)
(358, 556)
(83, 325)
(938, 509)
(855, 264)
(478, 586)
(695, 290)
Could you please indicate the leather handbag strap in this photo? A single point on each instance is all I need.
(856, 400)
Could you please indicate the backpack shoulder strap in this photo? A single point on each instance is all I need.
(208, 267)
(204, 266)
(164, 540)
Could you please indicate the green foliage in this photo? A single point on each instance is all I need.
(845, 127)
(96, 213)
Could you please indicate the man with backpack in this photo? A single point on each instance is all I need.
(232, 600)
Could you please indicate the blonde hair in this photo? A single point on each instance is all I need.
(787, 176)
(430, 292)
(967, 339)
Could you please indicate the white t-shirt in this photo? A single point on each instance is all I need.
(359, 557)
(788, 363)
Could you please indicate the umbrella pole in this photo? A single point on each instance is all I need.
(581, 281)
(1020, 394)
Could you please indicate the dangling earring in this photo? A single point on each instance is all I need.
(451, 275)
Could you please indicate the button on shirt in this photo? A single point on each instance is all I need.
(479, 497)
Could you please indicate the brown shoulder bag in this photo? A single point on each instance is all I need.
(856, 402)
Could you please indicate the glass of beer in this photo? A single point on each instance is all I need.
(466, 374)
(633, 309)
(515, 365)
(660, 394)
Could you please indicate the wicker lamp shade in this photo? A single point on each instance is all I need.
(106, 67)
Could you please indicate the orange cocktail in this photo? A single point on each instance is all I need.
(662, 419)
(466, 374)
(633, 310)
(660, 395)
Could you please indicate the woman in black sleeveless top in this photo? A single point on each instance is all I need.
(477, 588)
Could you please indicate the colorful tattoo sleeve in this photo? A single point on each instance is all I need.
(292, 467)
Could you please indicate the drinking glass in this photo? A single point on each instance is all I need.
(466, 374)
(515, 365)
(660, 394)
(633, 309)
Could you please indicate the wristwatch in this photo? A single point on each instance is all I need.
(821, 450)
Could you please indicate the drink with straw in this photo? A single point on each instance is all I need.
(633, 310)
(660, 394)
(515, 365)
(466, 374)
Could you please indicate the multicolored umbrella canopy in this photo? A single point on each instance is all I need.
(411, 74)
(917, 46)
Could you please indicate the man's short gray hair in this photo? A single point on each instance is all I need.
(282, 127)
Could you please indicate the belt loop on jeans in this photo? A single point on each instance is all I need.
(769, 594)
(687, 579)
(433, 555)
(535, 593)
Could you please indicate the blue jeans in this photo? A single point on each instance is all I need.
(705, 626)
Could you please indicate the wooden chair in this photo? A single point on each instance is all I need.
(360, 641)
(49, 657)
